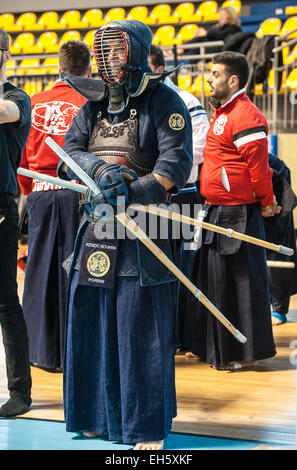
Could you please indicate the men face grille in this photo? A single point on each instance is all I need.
(111, 53)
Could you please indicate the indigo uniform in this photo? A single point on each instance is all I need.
(119, 364)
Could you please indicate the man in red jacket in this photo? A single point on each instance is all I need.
(52, 212)
(237, 183)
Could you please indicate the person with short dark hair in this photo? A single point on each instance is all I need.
(237, 183)
(15, 122)
(53, 212)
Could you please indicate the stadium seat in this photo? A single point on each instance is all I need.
(28, 67)
(196, 88)
(160, 14)
(71, 20)
(47, 42)
(289, 25)
(11, 67)
(236, 4)
(93, 64)
(195, 17)
(184, 81)
(24, 43)
(292, 56)
(49, 20)
(291, 10)
(7, 22)
(138, 13)
(50, 65)
(114, 14)
(32, 87)
(164, 36)
(183, 11)
(208, 10)
(92, 18)
(186, 33)
(269, 26)
(89, 38)
(28, 21)
(70, 36)
(291, 81)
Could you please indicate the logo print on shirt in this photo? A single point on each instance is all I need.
(219, 124)
(176, 122)
(54, 117)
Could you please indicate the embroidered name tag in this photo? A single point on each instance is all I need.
(98, 261)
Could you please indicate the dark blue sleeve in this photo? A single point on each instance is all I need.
(174, 132)
(77, 140)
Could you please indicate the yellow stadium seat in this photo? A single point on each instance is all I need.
(184, 81)
(93, 64)
(208, 10)
(289, 25)
(186, 33)
(47, 42)
(32, 87)
(291, 10)
(164, 36)
(24, 43)
(115, 14)
(159, 14)
(7, 22)
(28, 21)
(183, 11)
(236, 4)
(71, 20)
(292, 56)
(92, 18)
(70, 36)
(138, 13)
(49, 20)
(11, 67)
(50, 65)
(269, 26)
(89, 38)
(196, 88)
(291, 81)
(28, 67)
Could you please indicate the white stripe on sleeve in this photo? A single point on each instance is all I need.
(249, 138)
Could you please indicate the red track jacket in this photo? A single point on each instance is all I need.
(235, 168)
(52, 114)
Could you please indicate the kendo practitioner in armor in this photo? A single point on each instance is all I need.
(120, 346)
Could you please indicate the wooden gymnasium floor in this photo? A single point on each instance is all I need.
(255, 405)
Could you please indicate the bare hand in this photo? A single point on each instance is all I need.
(270, 211)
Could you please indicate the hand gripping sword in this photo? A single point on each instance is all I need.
(126, 220)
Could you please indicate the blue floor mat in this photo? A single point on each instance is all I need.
(32, 434)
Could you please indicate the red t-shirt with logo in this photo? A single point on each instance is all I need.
(52, 114)
(235, 169)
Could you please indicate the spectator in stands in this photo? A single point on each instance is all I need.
(237, 183)
(190, 194)
(227, 25)
(15, 122)
(53, 212)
